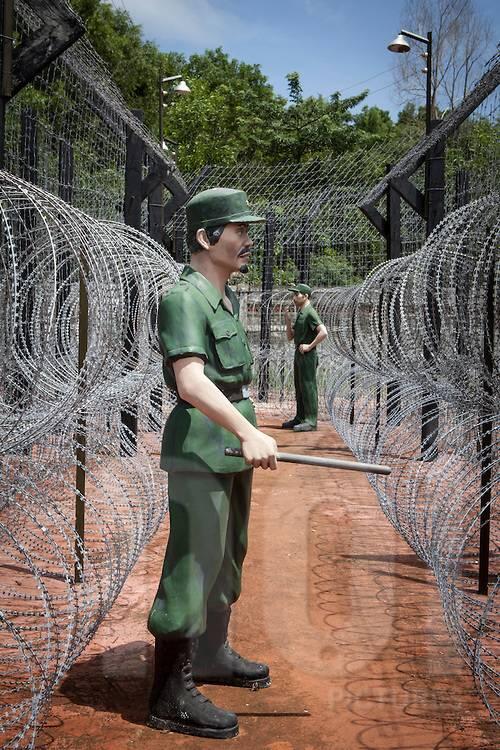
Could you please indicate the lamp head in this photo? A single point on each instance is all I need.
(399, 44)
(182, 88)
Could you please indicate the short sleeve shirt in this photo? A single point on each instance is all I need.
(306, 325)
(192, 321)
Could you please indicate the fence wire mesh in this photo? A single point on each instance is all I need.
(418, 342)
(416, 335)
(57, 419)
(67, 130)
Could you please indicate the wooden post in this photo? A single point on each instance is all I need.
(265, 307)
(132, 216)
(155, 230)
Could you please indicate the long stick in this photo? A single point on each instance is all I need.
(329, 463)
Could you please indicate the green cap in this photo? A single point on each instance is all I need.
(302, 288)
(212, 208)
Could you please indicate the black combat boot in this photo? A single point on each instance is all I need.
(177, 705)
(215, 662)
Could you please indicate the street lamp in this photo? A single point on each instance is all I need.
(180, 89)
(399, 44)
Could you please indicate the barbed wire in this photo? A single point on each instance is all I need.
(54, 261)
(417, 341)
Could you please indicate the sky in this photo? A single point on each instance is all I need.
(335, 45)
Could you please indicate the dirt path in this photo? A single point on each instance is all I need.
(346, 615)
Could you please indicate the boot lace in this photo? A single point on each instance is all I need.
(190, 686)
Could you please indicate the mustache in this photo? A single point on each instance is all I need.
(244, 251)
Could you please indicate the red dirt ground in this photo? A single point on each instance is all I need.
(344, 612)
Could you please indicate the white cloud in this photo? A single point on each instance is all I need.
(197, 22)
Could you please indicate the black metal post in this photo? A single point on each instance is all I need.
(393, 250)
(6, 40)
(486, 431)
(462, 188)
(178, 239)
(305, 252)
(428, 85)
(132, 216)
(155, 230)
(81, 429)
(434, 204)
(160, 106)
(352, 377)
(27, 221)
(265, 307)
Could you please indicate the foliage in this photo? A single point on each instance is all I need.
(315, 126)
(230, 115)
(330, 268)
(119, 41)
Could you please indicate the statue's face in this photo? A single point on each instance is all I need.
(299, 299)
(233, 249)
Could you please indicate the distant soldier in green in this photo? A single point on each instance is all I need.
(208, 364)
(307, 332)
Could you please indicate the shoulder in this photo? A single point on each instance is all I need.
(182, 301)
(182, 293)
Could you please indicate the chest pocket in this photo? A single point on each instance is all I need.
(231, 350)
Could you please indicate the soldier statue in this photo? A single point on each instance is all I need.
(208, 364)
(307, 332)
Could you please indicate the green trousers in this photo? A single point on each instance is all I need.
(205, 552)
(306, 389)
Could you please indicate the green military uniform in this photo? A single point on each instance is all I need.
(305, 365)
(209, 493)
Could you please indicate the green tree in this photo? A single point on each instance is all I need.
(230, 115)
(374, 121)
(133, 63)
(315, 127)
(331, 269)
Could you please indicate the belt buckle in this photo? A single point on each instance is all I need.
(245, 392)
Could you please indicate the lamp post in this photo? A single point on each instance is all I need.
(181, 88)
(399, 44)
(434, 213)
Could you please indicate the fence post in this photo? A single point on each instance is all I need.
(486, 430)
(29, 172)
(393, 249)
(265, 307)
(65, 191)
(305, 252)
(132, 216)
(352, 377)
(462, 188)
(80, 435)
(155, 231)
(6, 34)
(434, 204)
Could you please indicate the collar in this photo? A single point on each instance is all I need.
(211, 294)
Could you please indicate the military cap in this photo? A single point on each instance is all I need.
(302, 288)
(218, 206)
